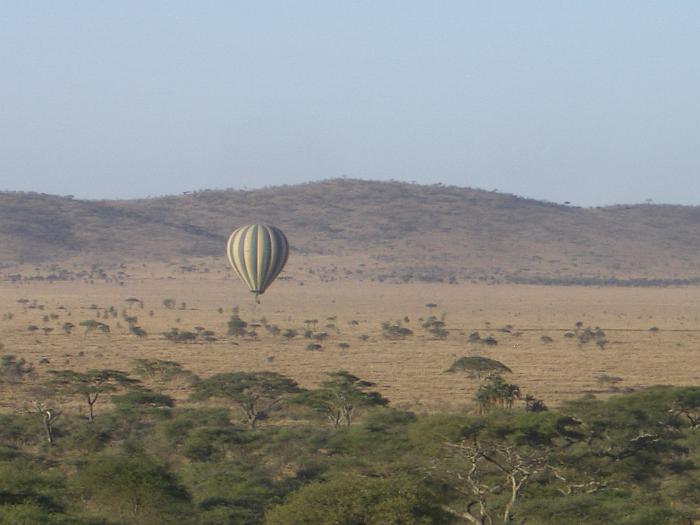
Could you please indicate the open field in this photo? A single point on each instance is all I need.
(410, 371)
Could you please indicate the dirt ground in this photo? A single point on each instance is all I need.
(410, 372)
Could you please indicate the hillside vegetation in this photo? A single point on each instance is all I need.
(407, 231)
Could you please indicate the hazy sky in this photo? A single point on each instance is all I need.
(594, 102)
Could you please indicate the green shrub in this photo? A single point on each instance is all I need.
(351, 500)
(232, 492)
(132, 489)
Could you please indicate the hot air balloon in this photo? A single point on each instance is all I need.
(257, 252)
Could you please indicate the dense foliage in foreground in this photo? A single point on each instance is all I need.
(217, 459)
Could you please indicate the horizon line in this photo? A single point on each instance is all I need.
(565, 204)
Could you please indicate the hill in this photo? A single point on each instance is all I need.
(385, 230)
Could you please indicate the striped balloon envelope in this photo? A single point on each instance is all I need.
(257, 252)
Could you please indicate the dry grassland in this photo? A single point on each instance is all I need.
(410, 372)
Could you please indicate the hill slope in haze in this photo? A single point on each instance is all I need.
(401, 231)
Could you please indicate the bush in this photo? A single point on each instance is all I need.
(232, 492)
(395, 330)
(143, 400)
(33, 514)
(236, 326)
(619, 507)
(435, 326)
(13, 369)
(289, 333)
(351, 500)
(27, 495)
(177, 336)
(90, 439)
(202, 433)
(133, 489)
(20, 429)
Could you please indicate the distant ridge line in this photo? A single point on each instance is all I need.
(387, 231)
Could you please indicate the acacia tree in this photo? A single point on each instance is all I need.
(341, 395)
(131, 301)
(48, 418)
(686, 404)
(160, 371)
(496, 392)
(256, 393)
(91, 384)
(91, 325)
(44, 403)
(477, 366)
(490, 471)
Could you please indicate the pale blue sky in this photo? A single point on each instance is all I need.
(594, 102)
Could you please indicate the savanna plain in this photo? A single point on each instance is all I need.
(650, 336)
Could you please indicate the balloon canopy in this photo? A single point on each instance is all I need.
(258, 253)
